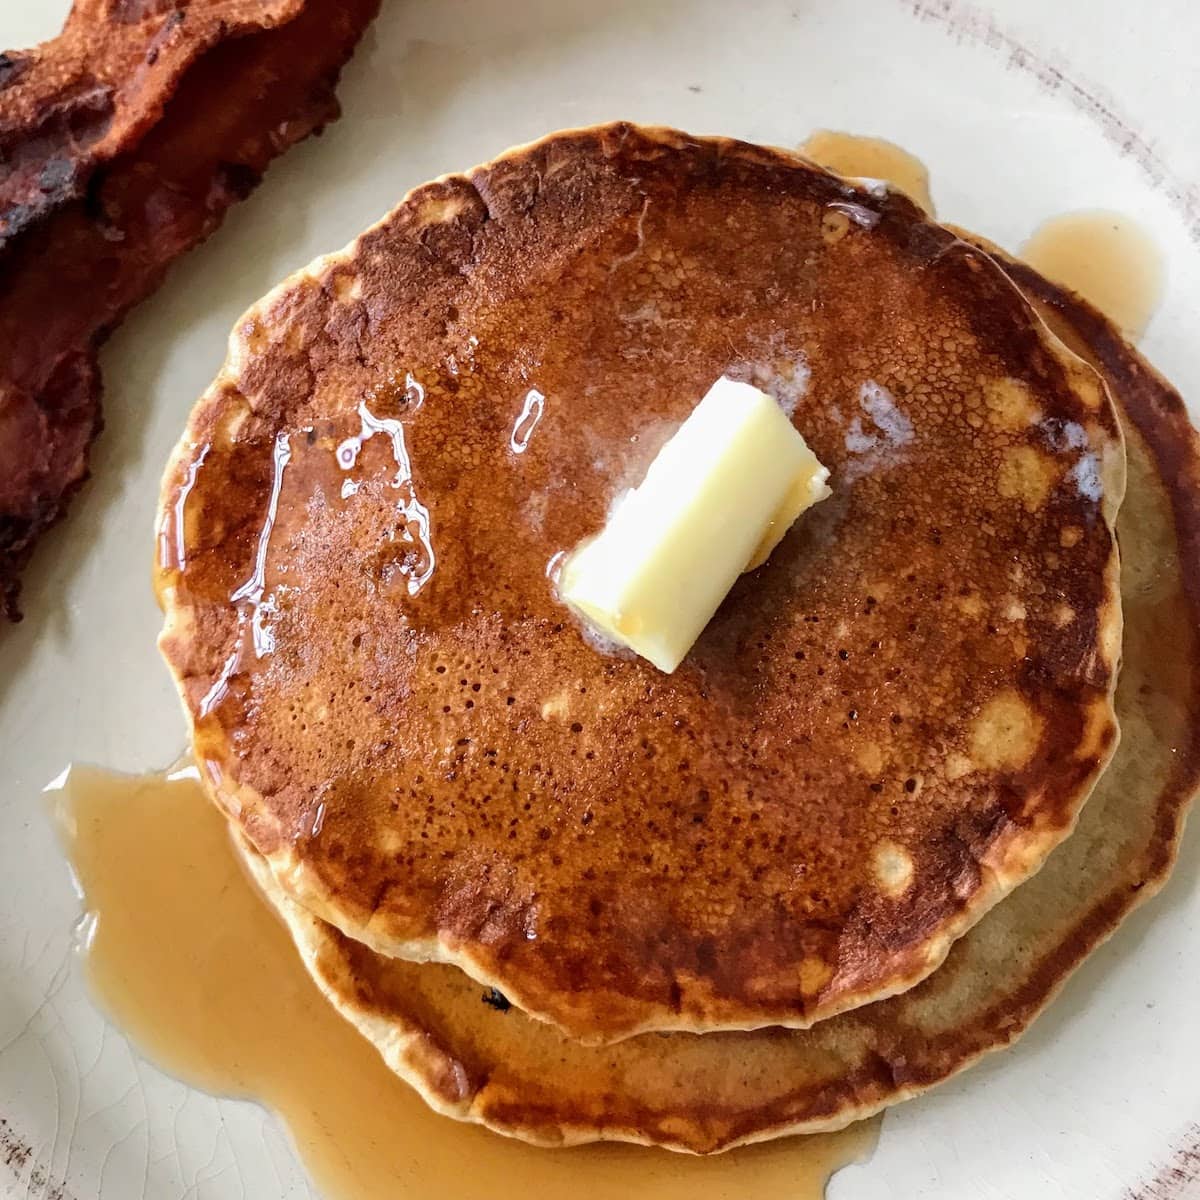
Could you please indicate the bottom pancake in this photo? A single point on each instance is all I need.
(475, 1059)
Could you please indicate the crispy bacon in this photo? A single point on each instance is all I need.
(122, 143)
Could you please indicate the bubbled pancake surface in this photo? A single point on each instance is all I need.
(883, 729)
(478, 1061)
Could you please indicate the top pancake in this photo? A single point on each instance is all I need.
(883, 730)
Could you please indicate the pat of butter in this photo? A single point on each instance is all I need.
(714, 503)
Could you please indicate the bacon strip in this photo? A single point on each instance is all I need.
(122, 144)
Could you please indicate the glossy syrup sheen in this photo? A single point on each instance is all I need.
(186, 957)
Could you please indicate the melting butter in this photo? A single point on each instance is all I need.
(715, 502)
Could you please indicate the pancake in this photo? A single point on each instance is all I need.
(883, 730)
(480, 1062)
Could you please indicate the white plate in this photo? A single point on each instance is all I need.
(1022, 109)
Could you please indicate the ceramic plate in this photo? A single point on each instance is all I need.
(1021, 109)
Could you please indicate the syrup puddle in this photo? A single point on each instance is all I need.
(871, 158)
(1105, 257)
(188, 960)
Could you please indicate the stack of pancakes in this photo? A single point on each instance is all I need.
(919, 764)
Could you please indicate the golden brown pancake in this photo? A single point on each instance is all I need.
(882, 731)
(479, 1062)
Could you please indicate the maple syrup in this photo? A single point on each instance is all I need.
(871, 158)
(1107, 258)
